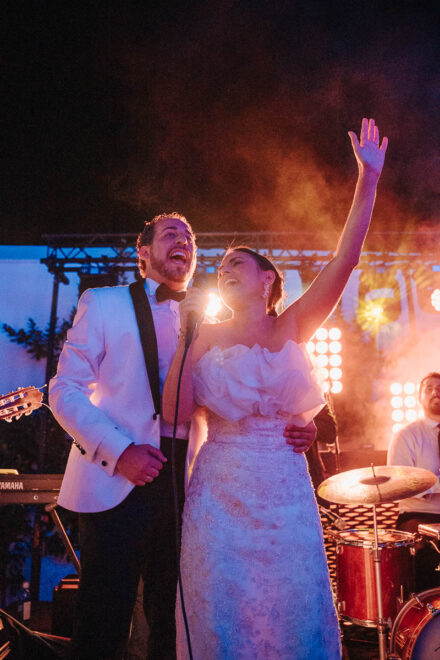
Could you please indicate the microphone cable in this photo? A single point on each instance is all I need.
(176, 500)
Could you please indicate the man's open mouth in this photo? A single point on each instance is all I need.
(179, 256)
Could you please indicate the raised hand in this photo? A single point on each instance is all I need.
(369, 155)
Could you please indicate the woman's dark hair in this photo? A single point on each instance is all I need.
(277, 293)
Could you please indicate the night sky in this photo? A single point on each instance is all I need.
(233, 113)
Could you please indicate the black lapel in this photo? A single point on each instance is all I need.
(147, 333)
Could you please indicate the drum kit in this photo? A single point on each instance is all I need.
(375, 566)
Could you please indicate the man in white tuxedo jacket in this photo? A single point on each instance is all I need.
(118, 475)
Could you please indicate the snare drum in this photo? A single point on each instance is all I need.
(356, 580)
(416, 631)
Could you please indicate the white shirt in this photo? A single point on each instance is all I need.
(167, 325)
(417, 445)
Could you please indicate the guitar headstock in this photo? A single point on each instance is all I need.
(22, 401)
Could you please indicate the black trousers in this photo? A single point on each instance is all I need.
(426, 558)
(135, 538)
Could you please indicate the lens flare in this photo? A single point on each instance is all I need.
(214, 305)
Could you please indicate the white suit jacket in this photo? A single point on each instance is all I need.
(101, 396)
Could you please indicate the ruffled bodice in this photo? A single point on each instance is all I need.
(240, 381)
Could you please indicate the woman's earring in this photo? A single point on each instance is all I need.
(266, 290)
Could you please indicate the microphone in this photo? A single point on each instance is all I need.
(200, 280)
(339, 523)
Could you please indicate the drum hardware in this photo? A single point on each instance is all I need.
(416, 631)
(377, 485)
(336, 520)
(432, 530)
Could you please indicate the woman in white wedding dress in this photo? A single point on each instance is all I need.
(253, 565)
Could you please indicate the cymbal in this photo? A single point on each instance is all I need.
(388, 483)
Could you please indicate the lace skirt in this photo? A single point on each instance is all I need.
(253, 565)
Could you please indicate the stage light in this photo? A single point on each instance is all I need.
(321, 347)
(335, 347)
(321, 334)
(372, 315)
(214, 304)
(335, 373)
(404, 404)
(435, 299)
(326, 355)
(322, 360)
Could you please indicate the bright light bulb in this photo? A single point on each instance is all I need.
(396, 427)
(321, 334)
(324, 373)
(334, 333)
(322, 360)
(395, 388)
(397, 402)
(335, 347)
(336, 387)
(409, 388)
(311, 346)
(435, 299)
(397, 415)
(335, 360)
(410, 401)
(335, 373)
(411, 415)
(321, 347)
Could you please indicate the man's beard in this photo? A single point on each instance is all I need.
(173, 272)
(434, 407)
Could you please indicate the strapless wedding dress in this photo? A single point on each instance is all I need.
(253, 565)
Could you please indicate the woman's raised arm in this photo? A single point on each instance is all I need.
(315, 305)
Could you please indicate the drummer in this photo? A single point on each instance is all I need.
(418, 444)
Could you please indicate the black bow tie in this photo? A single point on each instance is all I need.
(163, 292)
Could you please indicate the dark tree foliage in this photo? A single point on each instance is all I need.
(35, 340)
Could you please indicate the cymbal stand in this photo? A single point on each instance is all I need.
(381, 624)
